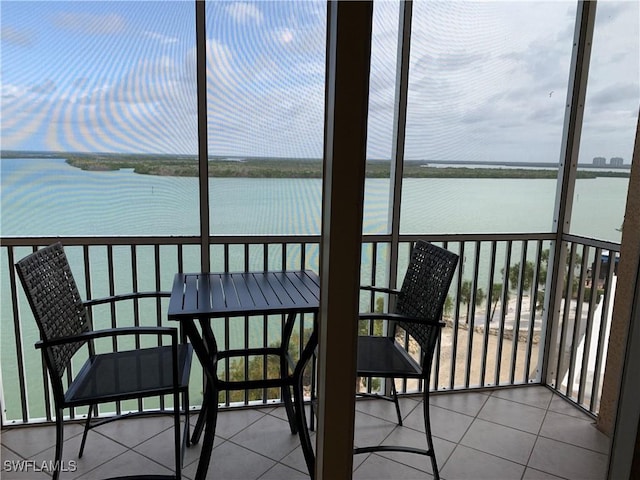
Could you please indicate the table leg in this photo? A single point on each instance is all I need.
(207, 443)
(284, 371)
(298, 397)
(202, 347)
(197, 430)
(303, 430)
(288, 404)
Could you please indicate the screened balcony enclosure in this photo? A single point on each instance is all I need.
(156, 138)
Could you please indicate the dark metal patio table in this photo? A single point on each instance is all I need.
(203, 296)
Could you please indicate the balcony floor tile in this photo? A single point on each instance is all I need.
(522, 433)
(575, 431)
(412, 438)
(501, 441)
(568, 461)
(28, 442)
(533, 474)
(511, 414)
(535, 396)
(469, 404)
(124, 464)
(98, 450)
(134, 431)
(468, 464)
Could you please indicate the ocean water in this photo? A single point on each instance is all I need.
(43, 197)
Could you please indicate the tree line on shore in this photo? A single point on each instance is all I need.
(302, 168)
(258, 167)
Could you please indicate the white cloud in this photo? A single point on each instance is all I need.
(285, 36)
(16, 36)
(480, 78)
(8, 90)
(91, 24)
(163, 39)
(220, 66)
(245, 12)
(45, 87)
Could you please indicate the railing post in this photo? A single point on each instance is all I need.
(576, 93)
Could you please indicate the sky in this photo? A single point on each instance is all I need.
(487, 79)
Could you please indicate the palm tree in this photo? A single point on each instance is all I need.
(527, 280)
(496, 295)
(466, 295)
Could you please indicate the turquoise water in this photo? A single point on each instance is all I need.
(43, 197)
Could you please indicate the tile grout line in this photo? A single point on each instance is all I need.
(475, 417)
(538, 435)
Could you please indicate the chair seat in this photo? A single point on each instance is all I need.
(128, 374)
(384, 357)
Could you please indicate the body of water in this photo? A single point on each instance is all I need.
(42, 197)
(47, 197)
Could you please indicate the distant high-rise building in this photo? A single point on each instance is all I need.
(617, 161)
(599, 161)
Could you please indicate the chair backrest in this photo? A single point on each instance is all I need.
(55, 302)
(424, 290)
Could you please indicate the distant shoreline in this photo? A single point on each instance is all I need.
(252, 167)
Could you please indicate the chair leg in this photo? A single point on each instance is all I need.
(427, 429)
(87, 427)
(59, 444)
(176, 434)
(187, 425)
(394, 395)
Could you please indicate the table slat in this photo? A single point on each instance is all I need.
(288, 295)
(312, 294)
(231, 301)
(260, 301)
(190, 300)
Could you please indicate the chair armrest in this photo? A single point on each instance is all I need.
(399, 318)
(126, 296)
(373, 288)
(111, 332)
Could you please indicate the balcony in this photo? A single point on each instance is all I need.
(526, 432)
(487, 380)
(529, 315)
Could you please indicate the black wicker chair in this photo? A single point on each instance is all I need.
(65, 328)
(418, 311)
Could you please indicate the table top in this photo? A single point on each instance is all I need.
(243, 293)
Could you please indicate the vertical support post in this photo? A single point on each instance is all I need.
(203, 140)
(581, 54)
(397, 155)
(399, 130)
(347, 98)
